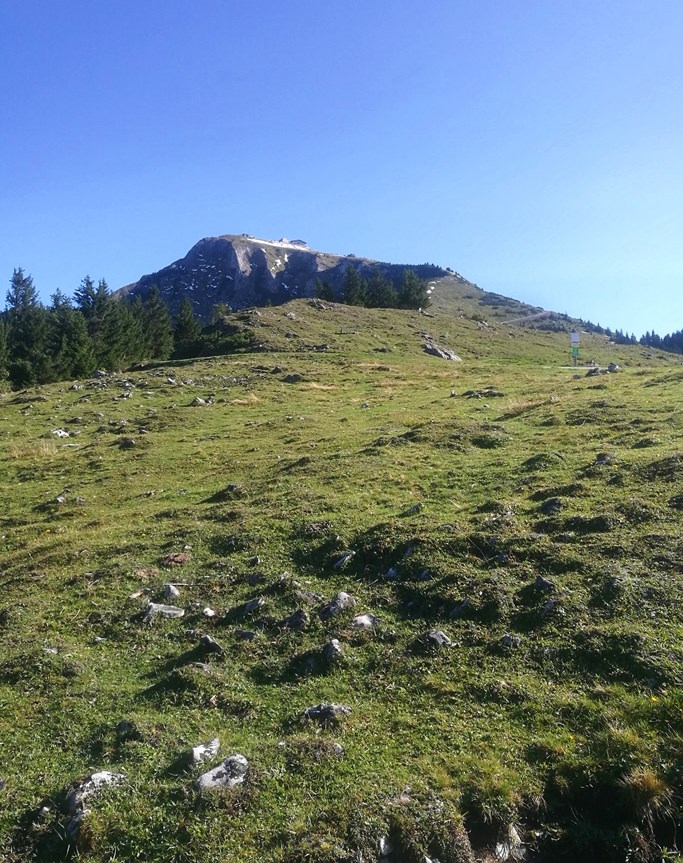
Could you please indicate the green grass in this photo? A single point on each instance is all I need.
(570, 730)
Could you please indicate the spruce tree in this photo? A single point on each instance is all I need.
(355, 288)
(27, 335)
(4, 356)
(323, 290)
(381, 292)
(71, 347)
(413, 291)
(186, 331)
(158, 332)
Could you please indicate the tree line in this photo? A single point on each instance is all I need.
(378, 291)
(72, 337)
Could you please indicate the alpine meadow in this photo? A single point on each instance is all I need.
(337, 582)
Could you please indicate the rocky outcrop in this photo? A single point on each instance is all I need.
(242, 271)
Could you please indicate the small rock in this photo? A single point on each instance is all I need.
(365, 621)
(551, 506)
(210, 645)
(604, 458)
(343, 559)
(171, 591)
(253, 605)
(385, 847)
(511, 641)
(127, 443)
(542, 583)
(208, 612)
(294, 378)
(461, 607)
(333, 651)
(198, 402)
(83, 791)
(326, 713)
(204, 751)
(60, 433)
(340, 603)
(126, 730)
(298, 620)
(168, 611)
(230, 773)
(437, 638)
(245, 634)
(613, 367)
(413, 510)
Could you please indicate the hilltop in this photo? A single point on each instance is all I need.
(430, 609)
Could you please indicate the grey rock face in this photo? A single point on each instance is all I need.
(243, 271)
(442, 353)
(365, 621)
(231, 772)
(333, 651)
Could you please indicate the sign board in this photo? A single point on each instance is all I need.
(575, 338)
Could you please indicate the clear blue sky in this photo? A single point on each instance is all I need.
(533, 145)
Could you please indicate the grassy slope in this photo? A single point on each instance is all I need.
(574, 735)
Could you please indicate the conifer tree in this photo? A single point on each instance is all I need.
(413, 291)
(323, 291)
(27, 336)
(381, 292)
(71, 350)
(3, 351)
(186, 331)
(355, 288)
(158, 331)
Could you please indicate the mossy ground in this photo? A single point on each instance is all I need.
(570, 728)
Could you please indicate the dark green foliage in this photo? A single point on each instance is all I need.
(381, 293)
(157, 326)
(413, 292)
(27, 338)
(355, 288)
(71, 347)
(186, 332)
(323, 291)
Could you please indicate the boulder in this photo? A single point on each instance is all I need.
(228, 774)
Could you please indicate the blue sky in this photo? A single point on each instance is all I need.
(533, 146)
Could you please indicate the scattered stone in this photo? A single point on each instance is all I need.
(208, 612)
(550, 606)
(343, 559)
(3, 783)
(254, 561)
(298, 620)
(82, 792)
(127, 443)
(158, 608)
(294, 378)
(613, 367)
(542, 583)
(511, 641)
(604, 458)
(171, 591)
(425, 575)
(413, 510)
(204, 751)
(511, 846)
(252, 605)
(197, 401)
(365, 621)
(230, 773)
(210, 645)
(442, 353)
(340, 603)
(245, 634)
(461, 607)
(391, 573)
(60, 433)
(385, 847)
(596, 370)
(437, 638)
(326, 714)
(176, 558)
(333, 651)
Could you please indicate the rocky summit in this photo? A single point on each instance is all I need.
(242, 271)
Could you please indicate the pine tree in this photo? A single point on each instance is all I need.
(4, 356)
(94, 303)
(158, 332)
(413, 292)
(355, 288)
(27, 333)
(71, 347)
(381, 292)
(186, 331)
(323, 291)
